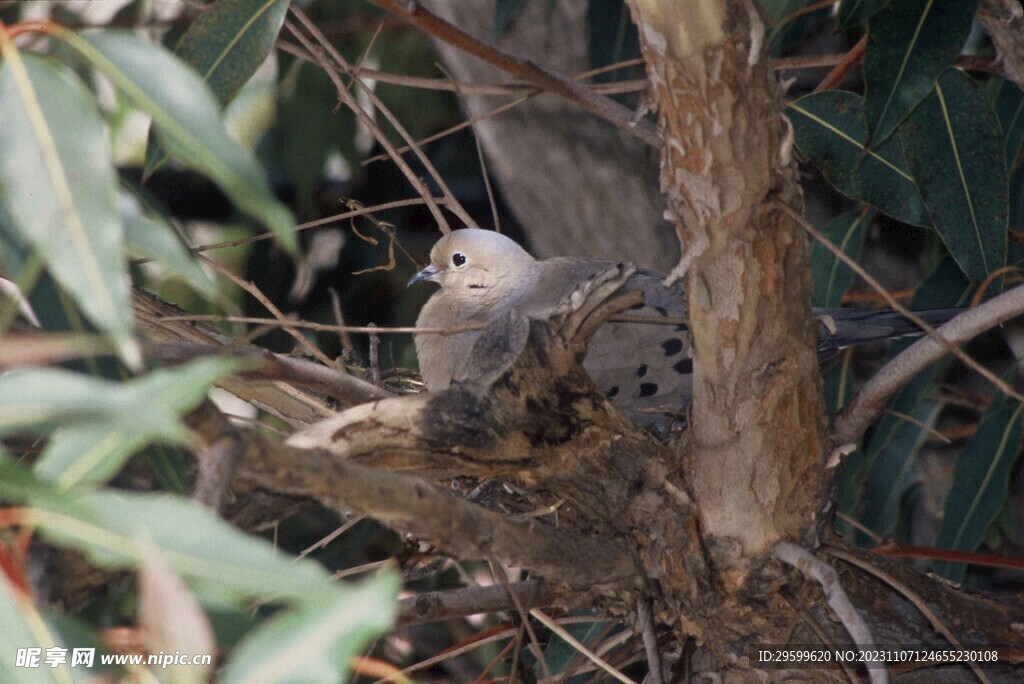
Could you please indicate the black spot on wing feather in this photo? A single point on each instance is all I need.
(648, 389)
(672, 346)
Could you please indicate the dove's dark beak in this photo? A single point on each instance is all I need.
(429, 273)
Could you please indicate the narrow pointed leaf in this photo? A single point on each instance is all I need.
(151, 238)
(980, 484)
(314, 642)
(1009, 106)
(225, 45)
(853, 12)
(832, 278)
(894, 469)
(58, 188)
(953, 147)
(94, 451)
(186, 118)
(106, 526)
(910, 42)
(21, 626)
(829, 131)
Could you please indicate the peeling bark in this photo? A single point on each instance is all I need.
(757, 416)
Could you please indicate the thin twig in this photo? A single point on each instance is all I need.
(601, 106)
(992, 560)
(857, 524)
(453, 204)
(529, 93)
(650, 638)
(825, 575)
(919, 423)
(844, 66)
(436, 606)
(325, 327)
(911, 596)
(346, 388)
(480, 156)
(339, 320)
(256, 294)
(499, 572)
(349, 100)
(572, 641)
(512, 89)
(325, 221)
(349, 524)
(927, 350)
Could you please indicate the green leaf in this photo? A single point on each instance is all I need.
(225, 45)
(106, 526)
(149, 237)
(311, 131)
(953, 147)
(314, 643)
(832, 278)
(946, 286)
(559, 654)
(40, 399)
(829, 131)
(21, 626)
(94, 451)
(58, 189)
(785, 29)
(853, 12)
(186, 118)
(837, 383)
(980, 485)
(1009, 106)
(910, 42)
(894, 469)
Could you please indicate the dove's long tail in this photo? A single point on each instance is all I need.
(839, 328)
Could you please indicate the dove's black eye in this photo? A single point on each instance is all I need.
(458, 259)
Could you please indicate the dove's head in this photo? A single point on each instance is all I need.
(477, 265)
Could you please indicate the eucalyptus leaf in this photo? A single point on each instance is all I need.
(226, 44)
(314, 643)
(58, 189)
(829, 130)
(107, 525)
(910, 42)
(832, 278)
(853, 12)
(953, 146)
(981, 481)
(21, 627)
(149, 237)
(92, 451)
(894, 469)
(187, 119)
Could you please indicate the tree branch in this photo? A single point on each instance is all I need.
(822, 573)
(345, 388)
(411, 504)
(855, 418)
(522, 69)
(434, 606)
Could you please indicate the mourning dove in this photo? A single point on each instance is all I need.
(645, 369)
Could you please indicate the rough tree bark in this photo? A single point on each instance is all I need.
(757, 415)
